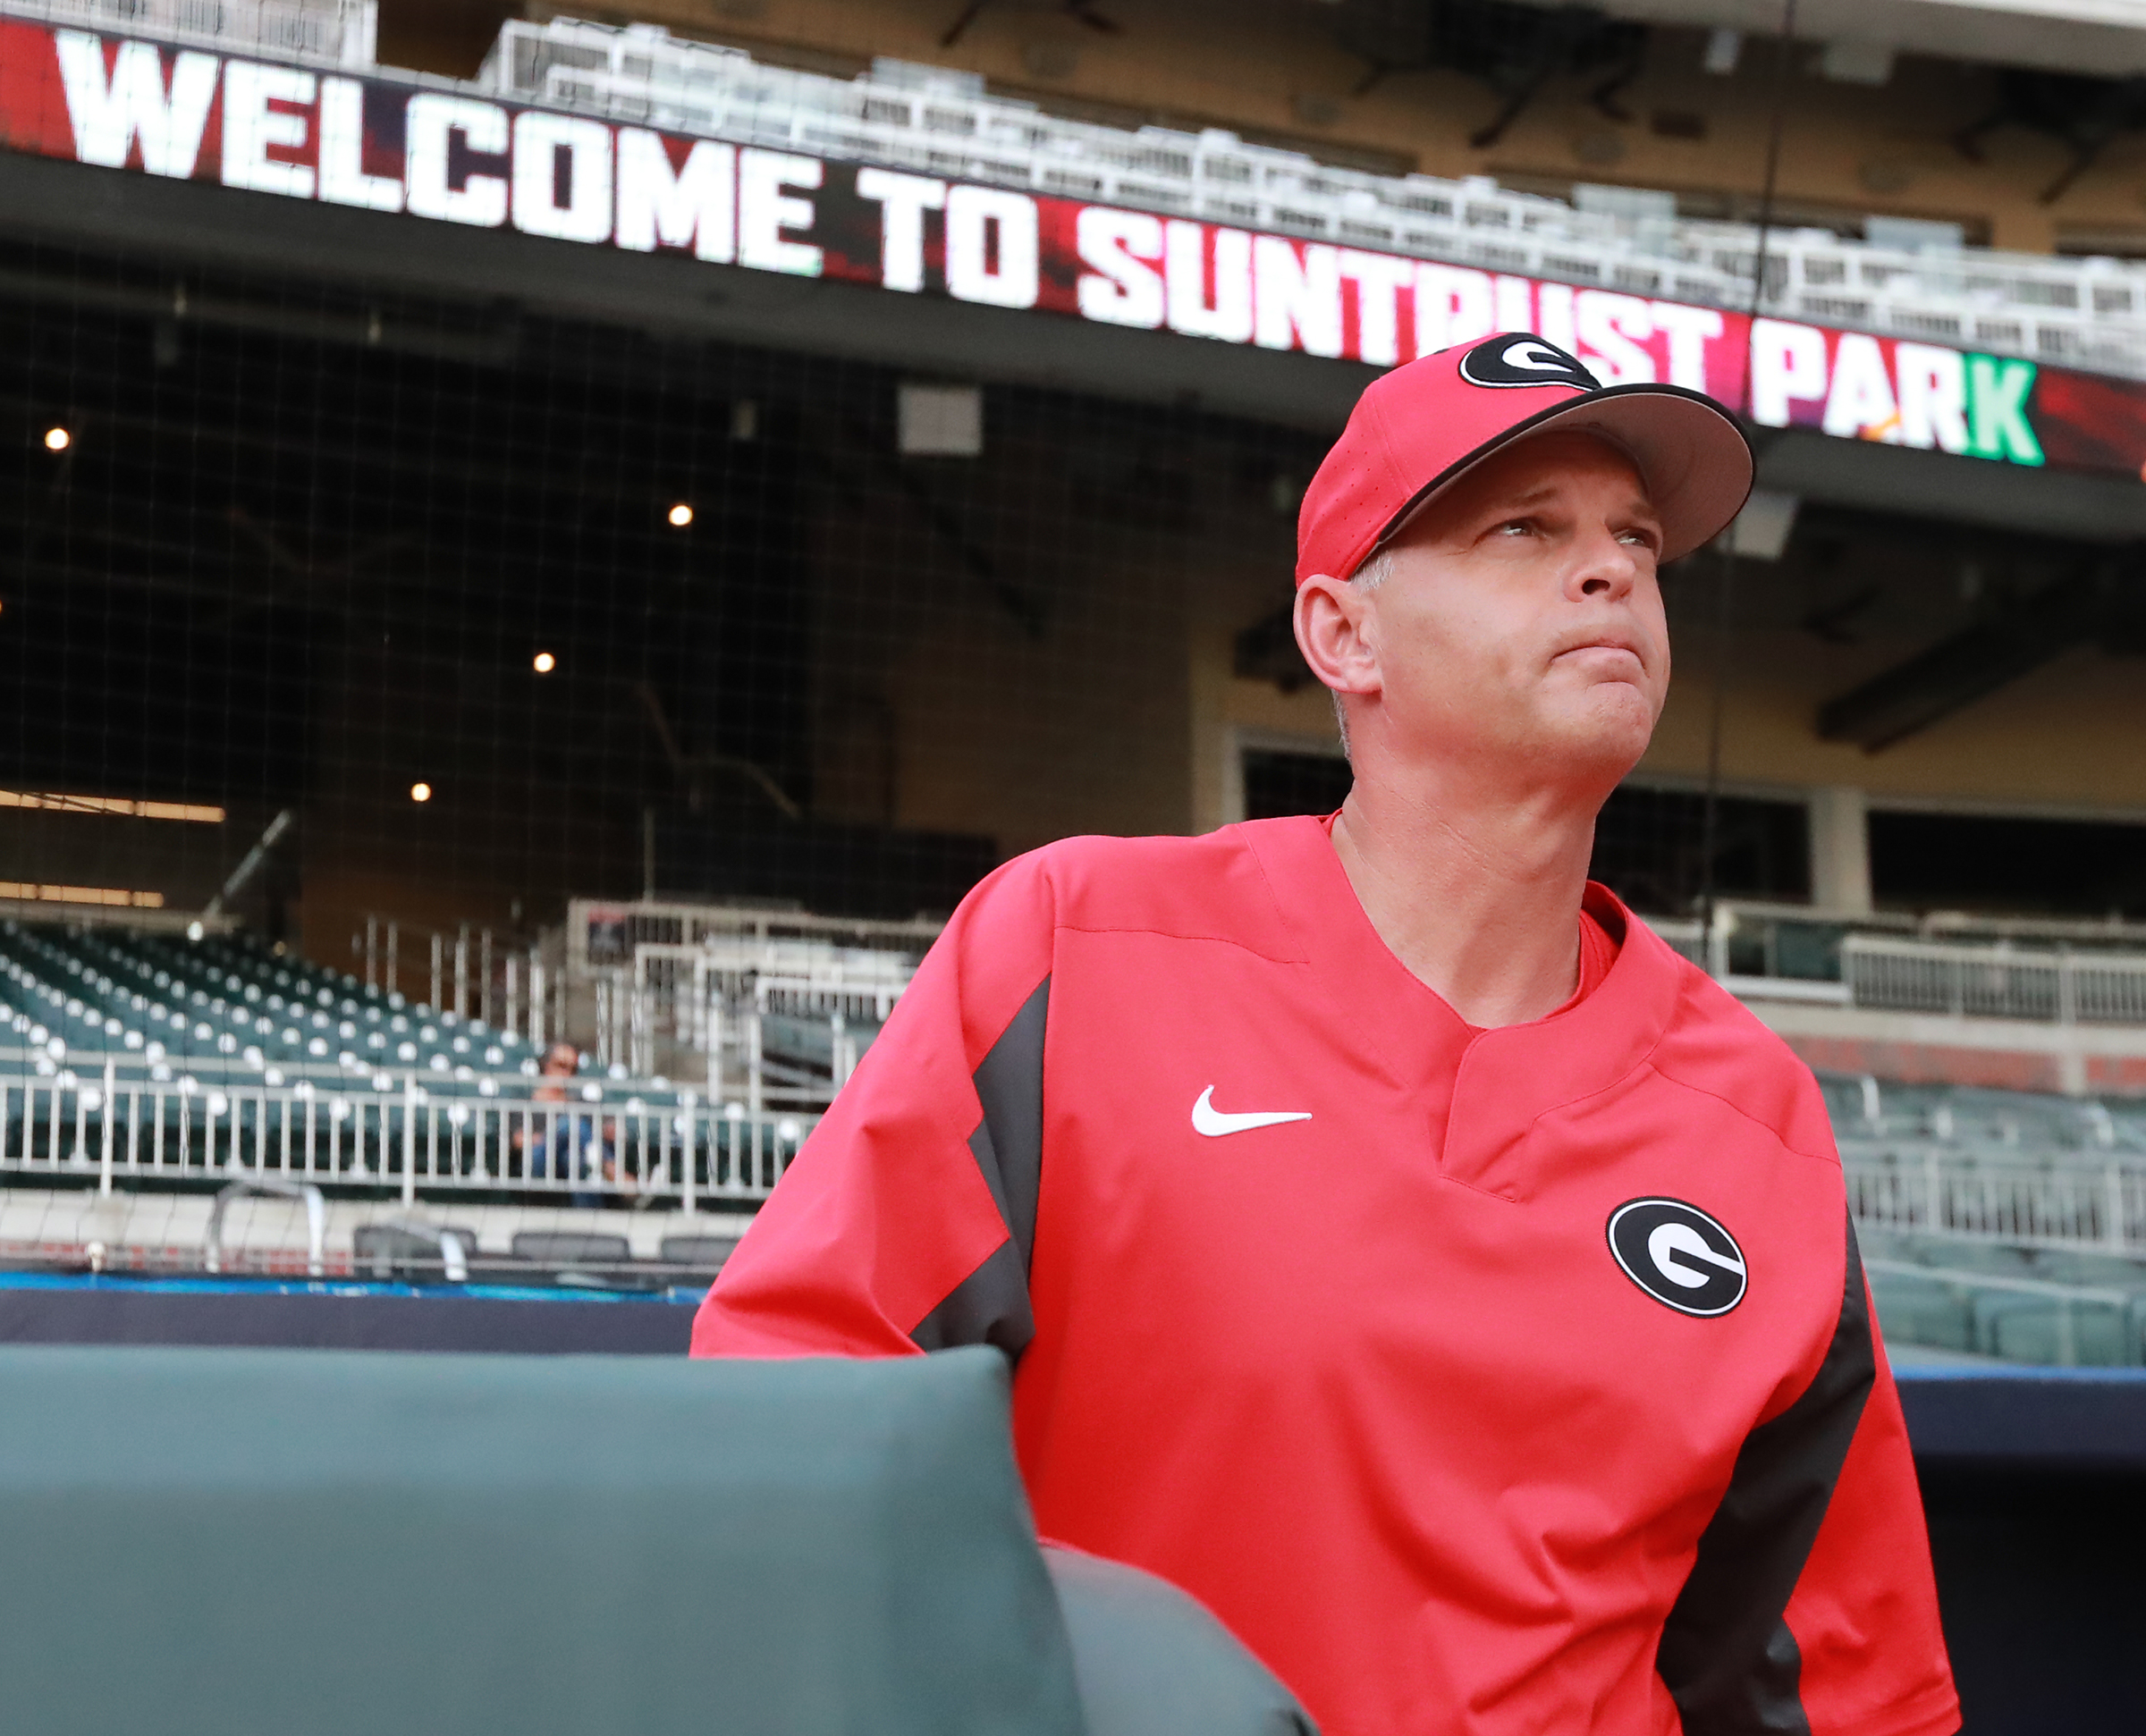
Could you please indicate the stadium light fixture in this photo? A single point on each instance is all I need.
(58, 440)
(680, 515)
(544, 663)
(420, 792)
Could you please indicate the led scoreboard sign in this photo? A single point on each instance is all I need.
(457, 155)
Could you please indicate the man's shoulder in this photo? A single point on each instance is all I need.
(1215, 886)
(1716, 1044)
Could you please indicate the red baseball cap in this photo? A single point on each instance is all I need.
(1424, 424)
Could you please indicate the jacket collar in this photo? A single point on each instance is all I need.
(1508, 1078)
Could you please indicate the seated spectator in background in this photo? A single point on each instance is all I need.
(576, 1147)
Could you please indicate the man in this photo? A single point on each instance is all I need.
(1400, 1248)
(575, 1149)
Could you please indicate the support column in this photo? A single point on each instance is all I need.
(1840, 850)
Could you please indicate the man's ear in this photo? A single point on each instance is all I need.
(1334, 631)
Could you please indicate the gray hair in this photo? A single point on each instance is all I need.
(1375, 571)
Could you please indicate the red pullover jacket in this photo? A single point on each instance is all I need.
(1519, 1380)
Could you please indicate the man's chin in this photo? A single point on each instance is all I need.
(1603, 738)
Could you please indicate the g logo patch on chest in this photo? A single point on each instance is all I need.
(1525, 361)
(1679, 1255)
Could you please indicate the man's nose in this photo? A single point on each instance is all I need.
(1604, 566)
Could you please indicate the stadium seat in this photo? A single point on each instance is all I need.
(344, 1543)
(699, 1253)
(571, 1248)
(397, 1251)
(2026, 1328)
(1922, 1311)
(1999, 1259)
(2077, 1266)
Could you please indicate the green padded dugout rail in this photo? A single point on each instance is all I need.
(297, 1543)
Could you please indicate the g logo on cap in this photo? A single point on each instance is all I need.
(1679, 1255)
(1523, 359)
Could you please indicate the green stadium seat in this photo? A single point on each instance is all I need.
(1914, 1310)
(1997, 1259)
(2028, 1328)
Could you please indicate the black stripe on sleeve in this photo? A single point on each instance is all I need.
(991, 1305)
(1008, 1142)
(1726, 1656)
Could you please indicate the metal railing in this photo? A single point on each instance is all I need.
(2046, 971)
(332, 32)
(251, 1187)
(769, 1008)
(602, 934)
(1999, 981)
(1928, 1190)
(2084, 313)
(472, 973)
(408, 1140)
(714, 1004)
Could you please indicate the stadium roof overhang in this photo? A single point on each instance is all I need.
(398, 184)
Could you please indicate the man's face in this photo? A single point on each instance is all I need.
(1521, 621)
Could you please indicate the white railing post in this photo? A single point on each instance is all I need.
(439, 968)
(2113, 1227)
(394, 941)
(756, 1078)
(104, 1179)
(692, 1145)
(461, 972)
(715, 1041)
(410, 1139)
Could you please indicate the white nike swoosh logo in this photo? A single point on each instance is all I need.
(1213, 1122)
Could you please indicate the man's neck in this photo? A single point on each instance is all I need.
(1478, 897)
